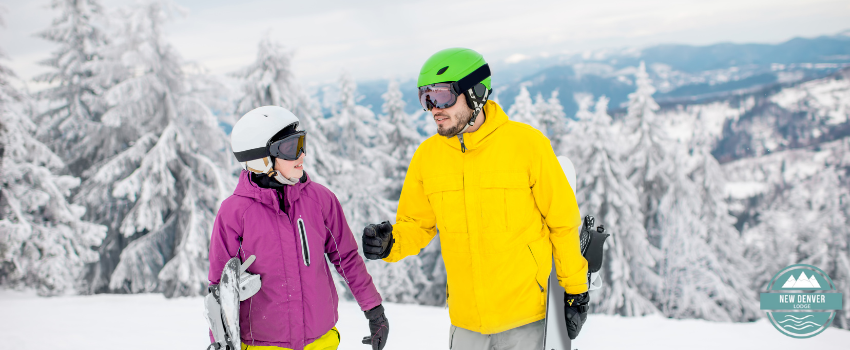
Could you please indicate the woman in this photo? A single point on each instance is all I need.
(289, 223)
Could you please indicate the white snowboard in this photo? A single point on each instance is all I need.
(555, 336)
(555, 333)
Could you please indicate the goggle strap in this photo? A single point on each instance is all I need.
(473, 78)
(251, 154)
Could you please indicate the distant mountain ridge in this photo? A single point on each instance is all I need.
(679, 72)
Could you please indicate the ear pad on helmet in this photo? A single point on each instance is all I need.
(479, 90)
(260, 166)
(477, 93)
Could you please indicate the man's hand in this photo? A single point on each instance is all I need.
(575, 310)
(379, 327)
(378, 240)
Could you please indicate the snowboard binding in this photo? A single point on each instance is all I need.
(591, 242)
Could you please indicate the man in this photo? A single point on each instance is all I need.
(503, 207)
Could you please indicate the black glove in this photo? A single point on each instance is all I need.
(379, 327)
(575, 311)
(378, 240)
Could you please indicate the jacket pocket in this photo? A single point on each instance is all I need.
(445, 193)
(541, 251)
(305, 244)
(506, 207)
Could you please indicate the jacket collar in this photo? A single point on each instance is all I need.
(494, 118)
(268, 196)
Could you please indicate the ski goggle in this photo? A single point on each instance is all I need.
(290, 147)
(440, 95)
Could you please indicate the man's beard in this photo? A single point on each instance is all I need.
(463, 118)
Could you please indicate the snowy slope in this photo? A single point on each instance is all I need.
(150, 321)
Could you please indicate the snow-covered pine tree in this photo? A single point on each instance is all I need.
(269, 81)
(523, 109)
(699, 281)
(722, 239)
(604, 191)
(648, 162)
(44, 244)
(159, 196)
(355, 127)
(553, 120)
(360, 186)
(695, 283)
(402, 139)
(80, 74)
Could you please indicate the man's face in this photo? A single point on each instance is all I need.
(451, 120)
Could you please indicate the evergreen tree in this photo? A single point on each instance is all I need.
(604, 191)
(402, 139)
(81, 74)
(159, 196)
(697, 281)
(523, 109)
(649, 163)
(552, 118)
(360, 186)
(43, 241)
(721, 237)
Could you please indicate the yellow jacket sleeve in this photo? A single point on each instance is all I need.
(416, 223)
(557, 203)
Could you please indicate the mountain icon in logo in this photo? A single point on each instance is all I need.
(802, 282)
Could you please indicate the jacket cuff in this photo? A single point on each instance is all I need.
(576, 289)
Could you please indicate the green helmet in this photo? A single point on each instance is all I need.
(467, 73)
(451, 65)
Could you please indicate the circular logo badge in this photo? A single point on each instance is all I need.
(801, 301)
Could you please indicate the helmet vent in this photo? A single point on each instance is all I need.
(442, 70)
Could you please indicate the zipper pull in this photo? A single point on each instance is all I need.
(462, 145)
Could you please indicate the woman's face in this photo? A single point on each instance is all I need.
(290, 169)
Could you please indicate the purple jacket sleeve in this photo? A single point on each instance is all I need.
(342, 252)
(224, 244)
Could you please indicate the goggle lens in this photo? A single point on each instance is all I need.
(291, 147)
(437, 95)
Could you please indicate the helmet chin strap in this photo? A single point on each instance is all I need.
(478, 104)
(279, 177)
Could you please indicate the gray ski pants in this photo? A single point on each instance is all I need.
(525, 337)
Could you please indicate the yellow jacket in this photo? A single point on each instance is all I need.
(502, 208)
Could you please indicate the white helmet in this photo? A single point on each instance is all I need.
(251, 134)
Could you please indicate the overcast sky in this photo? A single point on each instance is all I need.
(374, 39)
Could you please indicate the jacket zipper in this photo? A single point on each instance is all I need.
(305, 246)
(462, 145)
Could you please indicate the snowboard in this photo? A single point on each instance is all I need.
(221, 306)
(591, 241)
(226, 294)
(555, 330)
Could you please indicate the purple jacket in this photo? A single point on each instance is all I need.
(297, 302)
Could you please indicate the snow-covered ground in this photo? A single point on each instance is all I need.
(149, 321)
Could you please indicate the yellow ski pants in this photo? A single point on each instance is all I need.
(329, 341)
